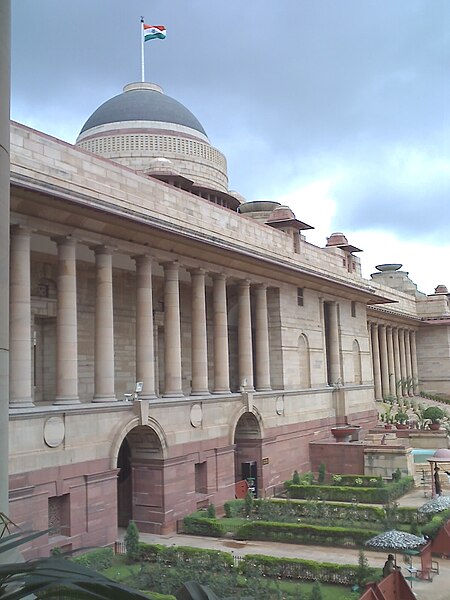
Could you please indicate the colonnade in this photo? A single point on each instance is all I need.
(394, 358)
(249, 353)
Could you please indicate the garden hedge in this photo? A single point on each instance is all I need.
(304, 570)
(171, 555)
(203, 526)
(304, 534)
(379, 495)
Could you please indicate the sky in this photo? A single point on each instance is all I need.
(338, 108)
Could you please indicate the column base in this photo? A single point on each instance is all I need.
(173, 395)
(200, 393)
(23, 403)
(104, 399)
(263, 389)
(227, 391)
(64, 400)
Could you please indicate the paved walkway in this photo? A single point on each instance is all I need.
(438, 589)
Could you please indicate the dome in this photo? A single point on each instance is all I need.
(143, 124)
(337, 239)
(142, 102)
(441, 289)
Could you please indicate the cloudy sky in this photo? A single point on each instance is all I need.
(339, 108)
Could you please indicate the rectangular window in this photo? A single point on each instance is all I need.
(201, 484)
(300, 296)
(353, 308)
(59, 515)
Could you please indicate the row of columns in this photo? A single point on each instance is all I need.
(394, 357)
(66, 328)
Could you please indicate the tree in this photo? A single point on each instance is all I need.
(249, 503)
(322, 472)
(132, 542)
(363, 569)
(316, 591)
(211, 511)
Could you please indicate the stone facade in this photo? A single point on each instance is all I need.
(250, 343)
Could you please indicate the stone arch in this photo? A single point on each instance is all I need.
(125, 430)
(138, 452)
(357, 369)
(247, 440)
(304, 361)
(237, 416)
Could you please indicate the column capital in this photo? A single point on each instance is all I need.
(143, 258)
(103, 249)
(66, 240)
(219, 276)
(19, 229)
(196, 271)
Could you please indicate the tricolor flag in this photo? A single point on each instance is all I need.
(152, 32)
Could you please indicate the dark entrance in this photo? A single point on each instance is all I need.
(247, 463)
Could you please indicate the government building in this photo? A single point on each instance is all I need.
(169, 339)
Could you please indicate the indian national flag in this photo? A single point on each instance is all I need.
(152, 32)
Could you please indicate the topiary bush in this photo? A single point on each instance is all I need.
(131, 540)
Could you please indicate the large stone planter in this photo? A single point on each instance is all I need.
(342, 433)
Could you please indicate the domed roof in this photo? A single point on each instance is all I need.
(142, 102)
(443, 453)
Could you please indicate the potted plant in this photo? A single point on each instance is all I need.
(401, 419)
(434, 414)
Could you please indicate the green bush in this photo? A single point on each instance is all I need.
(97, 560)
(431, 529)
(203, 526)
(302, 569)
(212, 559)
(131, 540)
(304, 534)
(211, 511)
(234, 508)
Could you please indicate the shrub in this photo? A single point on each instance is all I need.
(316, 591)
(132, 541)
(431, 529)
(234, 508)
(434, 413)
(98, 560)
(211, 511)
(296, 478)
(203, 526)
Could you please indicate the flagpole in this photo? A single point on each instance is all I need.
(142, 50)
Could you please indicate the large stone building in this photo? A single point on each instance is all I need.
(131, 261)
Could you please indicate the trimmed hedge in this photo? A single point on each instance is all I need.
(97, 560)
(367, 480)
(383, 495)
(304, 534)
(203, 526)
(303, 570)
(172, 555)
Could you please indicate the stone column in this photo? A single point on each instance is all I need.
(262, 354)
(172, 332)
(20, 382)
(334, 359)
(66, 324)
(401, 340)
(376, 362)
(221, 359)
(409, 374)
(391, 362)
(415, 369)
(104, 327)
(199, 345)
(384, 360)
(145, 358)
(397, 366)
(245, 350)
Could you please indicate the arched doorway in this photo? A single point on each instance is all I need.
(140, 491)
(247, 458)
